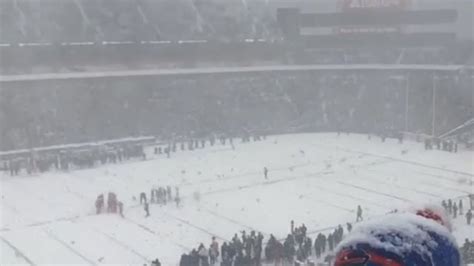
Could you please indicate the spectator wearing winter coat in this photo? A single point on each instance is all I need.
(239, 259)
(214, 251)
(317, 247)
(455, 210)
(323, 243)
(289, 248)
(469, 217)
(156, 262)
(185, 260)
(226, 255)
(331, 242)
(308, 243)
(445, 205)
(258, 248)
(349, 227)
(300, 256)
(190, 260)
(203, 254)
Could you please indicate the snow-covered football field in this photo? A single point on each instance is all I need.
(316, 179)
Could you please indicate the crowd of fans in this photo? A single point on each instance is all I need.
(467, 251)
(250, 249)
(65, 159)
(298, 248)
(187, 107)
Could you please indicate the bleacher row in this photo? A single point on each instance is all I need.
(51, 112)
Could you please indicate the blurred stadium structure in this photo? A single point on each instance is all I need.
(83, 59)
(89, 35)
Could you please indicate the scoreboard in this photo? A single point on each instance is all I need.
(349, 5)
(364, 22)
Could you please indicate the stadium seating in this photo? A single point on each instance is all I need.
(98, 20)
(90, 35)
(69, 111)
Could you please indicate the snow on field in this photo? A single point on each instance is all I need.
(316, 179)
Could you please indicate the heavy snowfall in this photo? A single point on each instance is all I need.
(237, 132)
(313, 179)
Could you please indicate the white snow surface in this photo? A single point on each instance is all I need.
(315, 179)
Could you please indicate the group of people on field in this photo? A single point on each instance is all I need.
(453, 208)
(161, 196)
(69, 159)
(243, 250)
(467, 251)
(441, 144)
(113, 204)
(194, 144)
(457, 209)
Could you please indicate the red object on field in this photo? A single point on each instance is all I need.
(430, 214)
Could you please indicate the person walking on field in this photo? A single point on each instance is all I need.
(214, 251)
(265, 172)
(471, 201)
(143, 198)
(359, 214)
(120, 208)
(349, 227)
(468, 217)
(99, 203)
(146, 207)
(445, 205)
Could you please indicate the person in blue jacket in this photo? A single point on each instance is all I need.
(420, 238)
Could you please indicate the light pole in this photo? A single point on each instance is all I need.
(433, 117)
(400, 80)
(407, 83)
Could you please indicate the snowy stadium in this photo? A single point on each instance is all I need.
(235, 133)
